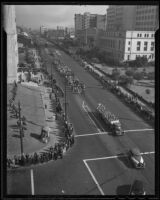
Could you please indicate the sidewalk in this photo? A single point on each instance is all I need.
(32, 99)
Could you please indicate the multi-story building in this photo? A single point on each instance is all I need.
(78, 22)
(88, 20)
(87, 23)
(12, 46)
(120, 18)
(142, 18)
(127, 45)
(43, 30)
(146, 18)
(58, 33)
(69, 32)
(124, 23)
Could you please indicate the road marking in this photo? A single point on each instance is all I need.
(117, 156)
(106, 133)
(147, 129)
(99, 133)
(93, 177)
(96, 120)
(32, 182)
(84, 107)
(103, 158)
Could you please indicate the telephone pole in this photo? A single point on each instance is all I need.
(65, 100)
(20, 128)
(51, 77)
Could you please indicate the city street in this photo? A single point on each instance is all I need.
(97, 164)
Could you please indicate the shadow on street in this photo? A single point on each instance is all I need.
(14, 126)
(16, 136)
(33, 123)
(125, 160)
(123, 190)
(36, 136)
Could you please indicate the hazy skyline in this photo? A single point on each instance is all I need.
(51, 16)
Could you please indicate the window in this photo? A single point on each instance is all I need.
(128, 57)
(129, 43)
(145, 46)
(138, 35)
(152, 35)
(128, 48)
(152, 46)
(138, 45)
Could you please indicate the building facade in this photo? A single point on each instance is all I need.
(43, 30)
(127, 45)
(12, 46)
(87, 24)
(120, 18)
(146, 18)
(129, 32)
(88, 20)
(140, 18)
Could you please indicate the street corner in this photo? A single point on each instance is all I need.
(106, 175)
(114, 175)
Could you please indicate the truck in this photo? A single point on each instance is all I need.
(110, 119)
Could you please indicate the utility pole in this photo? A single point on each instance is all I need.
(65, 99)
(86, 36)
(20, 128)
(51, 77)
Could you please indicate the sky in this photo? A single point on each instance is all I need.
(51, 16)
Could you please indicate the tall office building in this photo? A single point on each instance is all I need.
(120, 18)
(78, 21)
(146, 18)
(43, 30)
(140, 18)
(12, 46)
(88, 20)
(86, 26)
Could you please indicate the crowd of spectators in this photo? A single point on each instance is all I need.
(54, 152)
(131, 100)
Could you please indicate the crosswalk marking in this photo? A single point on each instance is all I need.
(32, 182)
(106, 133)
(94, 178)
(117, 156)
(147, 129)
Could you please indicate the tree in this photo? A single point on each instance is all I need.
(151, 76)
(129, 72)
(138, 76)
(126, 80)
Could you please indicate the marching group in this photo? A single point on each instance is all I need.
(108, 115)
(73, 82)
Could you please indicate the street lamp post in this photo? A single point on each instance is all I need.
(20, 128)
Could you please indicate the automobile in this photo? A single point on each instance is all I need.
(137, 188)
(136, 158)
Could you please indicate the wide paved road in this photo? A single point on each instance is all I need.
(97, 163)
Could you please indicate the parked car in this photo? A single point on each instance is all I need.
(136, 158)
(137, 188)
